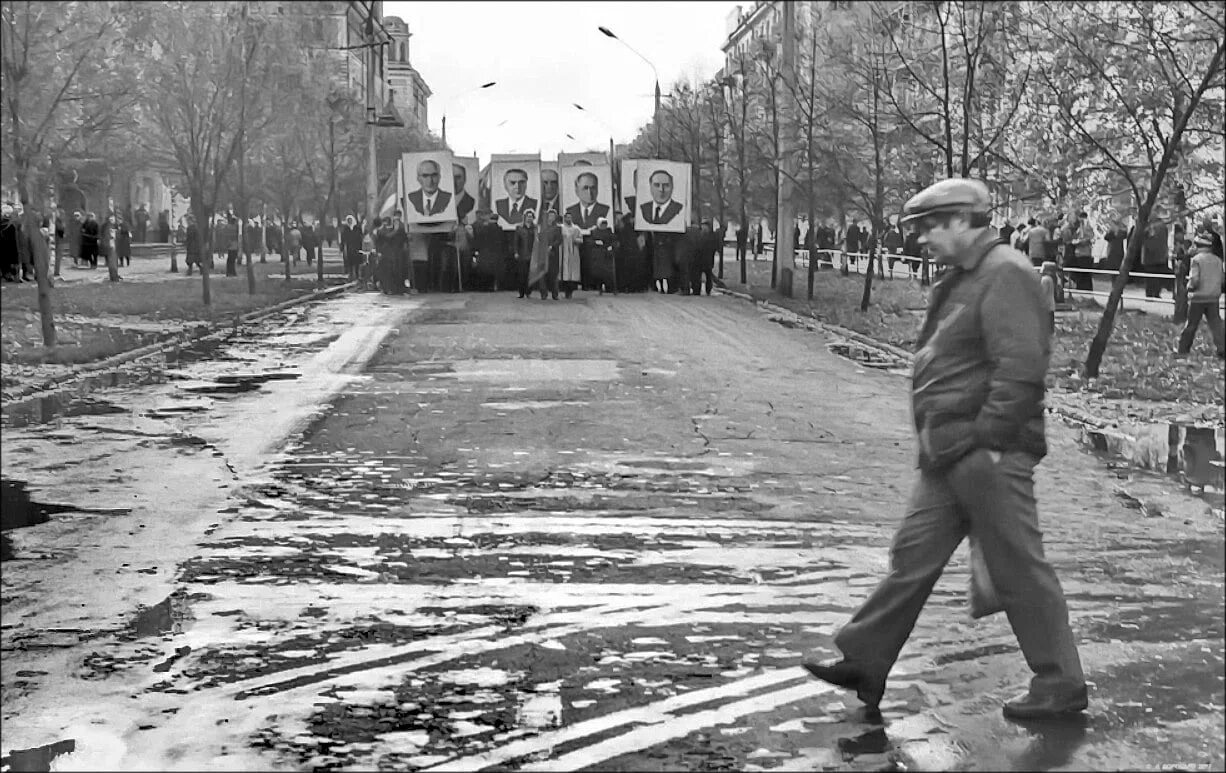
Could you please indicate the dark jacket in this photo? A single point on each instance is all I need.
(980, 369)
(525, 240)
(191, 242)
(351, 241)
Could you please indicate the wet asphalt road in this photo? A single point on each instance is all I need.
(455, 532)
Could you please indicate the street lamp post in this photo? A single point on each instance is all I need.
(477, 88)
(656, 114)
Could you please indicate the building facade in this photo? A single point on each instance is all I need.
(409, 91)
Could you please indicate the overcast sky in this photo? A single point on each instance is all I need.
(546, 56)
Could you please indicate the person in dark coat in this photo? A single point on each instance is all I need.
(600, 244)
(351, 247)
(1116, 238)
(191, 244)
(525, 243)
(742, 241)
(310, 242)
(164, 226)
(491, 256)
(123, 243)
(629, 257)
(685, 255)
(664, 262)
(391, 242)
(704, 261)
(10, 236)
(90, 233)
(227, 239)
(72, 234)
(142, 224)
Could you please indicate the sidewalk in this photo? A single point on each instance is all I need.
(158, 269)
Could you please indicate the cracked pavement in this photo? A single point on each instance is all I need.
(470, 531)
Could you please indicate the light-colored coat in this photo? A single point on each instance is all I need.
(569, 265)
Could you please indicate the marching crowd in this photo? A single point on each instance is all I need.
(553, 257)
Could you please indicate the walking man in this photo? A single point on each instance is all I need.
(1204, 288)
(977, 397)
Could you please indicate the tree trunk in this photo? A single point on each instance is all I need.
(1098, 346)
(868, 281)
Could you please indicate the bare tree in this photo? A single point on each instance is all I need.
(1136, 102)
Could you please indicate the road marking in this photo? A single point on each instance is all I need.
(654, 714)
(645, 737)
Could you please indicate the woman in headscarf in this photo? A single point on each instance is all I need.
(570, 266)
(544, 267)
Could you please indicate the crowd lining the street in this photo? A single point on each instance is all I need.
(553, 258)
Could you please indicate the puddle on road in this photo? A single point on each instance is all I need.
(869, 358)
(235, 384)
(38, 759)
(1188, 453)
(44, 410)
(18, 510)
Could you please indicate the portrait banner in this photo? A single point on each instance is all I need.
(465, 171)
(589, 158)
(551, 186)
(587, 195)
(627, 183)
(515, 187)
(430, 186)
(662, 196)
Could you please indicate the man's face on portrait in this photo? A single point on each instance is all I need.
(586, 186)
(661, 187)
(549, 184)
(516, 182)
(460, 176)
(428, 175)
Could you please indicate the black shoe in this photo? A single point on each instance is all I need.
(849, 676)
(1050, 706)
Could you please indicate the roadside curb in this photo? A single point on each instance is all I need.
(1054, 402)
(199, 332)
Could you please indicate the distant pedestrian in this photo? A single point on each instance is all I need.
(191, 244)
(72, 234)
(977, 401)
(892, 242)
(1155, 255)
(90, 233)
(164, 226)
(1116, 238)
(1078, 239)
(293, 241)
(310, 242)
(742, 241)
(142, 223)
(227, 242)
(759, 241)
(351, 247)
(1205, 285)
(489, 243)
(123, 243)
(1049, 280)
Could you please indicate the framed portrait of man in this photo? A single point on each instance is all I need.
(662, 196)
(551, 188)
(465, 172)
(515, 187)
(629, 184)
(430, 187)
(587, 195)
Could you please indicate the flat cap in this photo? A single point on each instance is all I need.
(953, 195)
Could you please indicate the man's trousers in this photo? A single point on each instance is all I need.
(994, 500)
